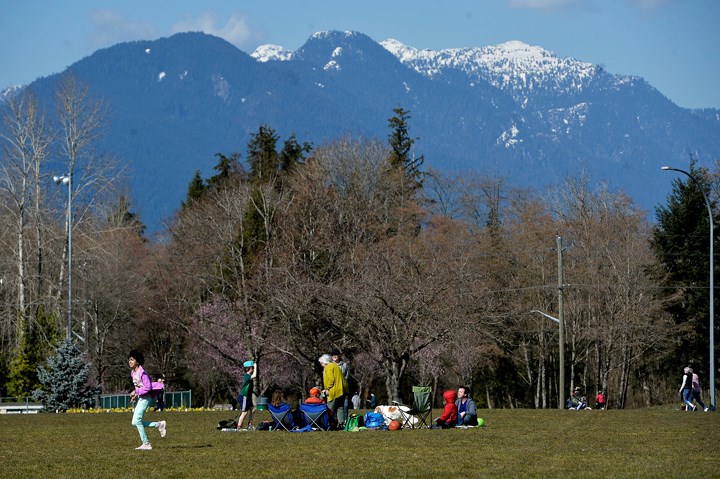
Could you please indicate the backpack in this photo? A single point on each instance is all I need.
(227, 423)
(354, 423)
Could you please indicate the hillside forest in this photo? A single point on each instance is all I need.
(290, 249)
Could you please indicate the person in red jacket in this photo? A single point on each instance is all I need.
(314, 397)
(450, 412)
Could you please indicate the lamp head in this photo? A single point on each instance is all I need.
(665, 168)
(61, 179)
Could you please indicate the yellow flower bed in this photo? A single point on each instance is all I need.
(130, 409)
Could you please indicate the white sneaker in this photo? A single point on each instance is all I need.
(162, 428)
(705, 410)
(144, 447)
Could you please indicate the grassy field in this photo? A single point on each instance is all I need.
(516, 443)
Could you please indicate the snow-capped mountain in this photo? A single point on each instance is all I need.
(266, 53)
(512, 110)
(515, 67)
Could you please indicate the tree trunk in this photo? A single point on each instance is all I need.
(22, 313)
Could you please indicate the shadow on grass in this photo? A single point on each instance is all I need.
(197, 446)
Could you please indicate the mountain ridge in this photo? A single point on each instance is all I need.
(513, 110)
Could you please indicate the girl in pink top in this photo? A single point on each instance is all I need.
(144, 391)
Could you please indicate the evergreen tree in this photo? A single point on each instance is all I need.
(226, 167)
(293, 154)
(402, 179)
(402, 156)
(680, 241)
(267, 167)
(123, 217)
(65, 380)
(32, 351)
(196, 189)
(262, 156)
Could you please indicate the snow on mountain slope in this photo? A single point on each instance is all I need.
(520, 69)
(10, 91)
(266, 53)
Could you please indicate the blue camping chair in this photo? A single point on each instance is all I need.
(317, 416)
(282, 417)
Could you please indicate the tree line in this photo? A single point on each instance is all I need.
(416, 275)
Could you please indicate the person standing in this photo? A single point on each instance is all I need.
(467, 412)
(345, 368)
(696, 390)
(372, 402)
(600, 400)
(356, 400)
(142, 393)
(686, 389)
(336, 388)
(245, 403)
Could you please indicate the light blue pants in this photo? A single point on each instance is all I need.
(687, 399)
(137, 420)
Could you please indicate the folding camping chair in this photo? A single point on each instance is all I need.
(282, 417)
(421, 408)
(316, 416)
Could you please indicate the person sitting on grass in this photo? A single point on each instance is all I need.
(467, 412)
(449, 415)
(278, 398)
(577, 401)
(314, 397)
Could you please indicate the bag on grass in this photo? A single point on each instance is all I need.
(374, 420)
(227, 423)
(354, 422)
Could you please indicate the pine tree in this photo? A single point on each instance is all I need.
(402, 156)
(680, 241)
(293, 154)
(122, 216)
(65, 380)
(402, 179)
(267, 167)
(33, 349)
(262, 156)
(196, 189)
(227, 167)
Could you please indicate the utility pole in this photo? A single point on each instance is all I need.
(561, 317)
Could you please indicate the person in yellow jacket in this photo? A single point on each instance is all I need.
(335, 388)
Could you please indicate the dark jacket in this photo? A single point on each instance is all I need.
(470, 409)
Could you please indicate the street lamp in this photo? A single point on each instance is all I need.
(712, 285)
(67, 180)
(561, 404)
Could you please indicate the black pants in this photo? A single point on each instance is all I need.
(696, 397)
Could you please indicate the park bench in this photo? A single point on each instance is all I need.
(20, 408)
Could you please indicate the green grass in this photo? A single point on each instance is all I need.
(657, 442)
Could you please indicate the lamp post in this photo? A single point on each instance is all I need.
(712, 284)
(67, 180)
(561, 404)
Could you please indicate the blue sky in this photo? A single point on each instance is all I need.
(673, 44)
